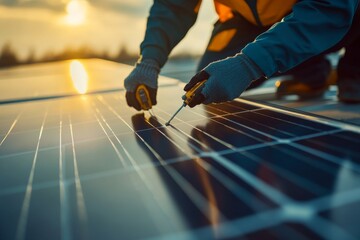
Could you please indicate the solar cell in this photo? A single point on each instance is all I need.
(344, 216)
(88, 166)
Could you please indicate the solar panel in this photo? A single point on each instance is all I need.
(89, 167)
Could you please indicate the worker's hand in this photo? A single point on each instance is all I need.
(227, 79)
(146, 72)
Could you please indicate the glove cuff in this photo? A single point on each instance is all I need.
(252, 69)
(229, 78)
(146, 72)
(147, 66)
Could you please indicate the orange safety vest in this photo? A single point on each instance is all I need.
(265, 13)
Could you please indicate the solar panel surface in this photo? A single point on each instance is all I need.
(89, 167)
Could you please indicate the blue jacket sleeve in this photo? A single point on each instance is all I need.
(313, 27)
(167, 25)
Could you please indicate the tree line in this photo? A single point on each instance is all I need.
(9, 57)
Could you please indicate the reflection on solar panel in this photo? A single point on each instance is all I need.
(89, 167)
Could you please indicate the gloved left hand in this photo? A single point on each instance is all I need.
(146, 72)
(227, 79)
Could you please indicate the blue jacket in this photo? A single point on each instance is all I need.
(312, 27)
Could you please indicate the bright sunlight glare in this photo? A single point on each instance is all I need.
(79, 76)
(76, 12)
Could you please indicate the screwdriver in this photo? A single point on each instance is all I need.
(188, 97)
(143, 97)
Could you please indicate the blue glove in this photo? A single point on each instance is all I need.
(146, 72)
(227, 79)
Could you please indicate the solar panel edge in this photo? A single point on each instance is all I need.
(302, 114)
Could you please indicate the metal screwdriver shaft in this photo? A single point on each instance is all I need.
(168, 122)
(188, 97)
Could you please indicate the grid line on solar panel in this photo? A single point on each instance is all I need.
(294, 120)
(10, 129)
(250, 132)
(81, 207)
(23, 218)
(336, 144)
(282, 125)
(63, 190)
(254, 124)
(121, 158)
(305, 118)
(223, 109)
(325, 155)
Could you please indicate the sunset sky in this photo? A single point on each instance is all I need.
(104, 25)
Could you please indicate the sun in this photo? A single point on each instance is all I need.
(76, 12)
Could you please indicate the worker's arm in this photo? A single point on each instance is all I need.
(313, 27)
(167, 24)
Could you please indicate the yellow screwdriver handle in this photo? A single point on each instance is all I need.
(193, 91)
(143, 97)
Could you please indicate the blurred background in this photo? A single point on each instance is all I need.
(34, 31)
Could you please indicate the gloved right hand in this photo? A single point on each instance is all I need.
(146, 72)
(226, 79)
